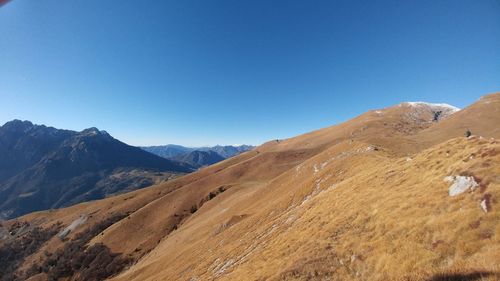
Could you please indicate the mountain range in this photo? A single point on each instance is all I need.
(406, 192)
(44, 168)
(198, 156)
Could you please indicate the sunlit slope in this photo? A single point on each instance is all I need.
(377, 129)
(362, 200)
(481, 118)
(357, 210)
(356, 214)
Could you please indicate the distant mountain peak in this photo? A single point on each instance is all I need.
(434, 106)
(420, 112)
(17, 124)
(199, 158)
(18, 121)
(93, 131)
(62, 167)
(193, 155)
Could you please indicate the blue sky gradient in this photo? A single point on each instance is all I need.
(231, 72)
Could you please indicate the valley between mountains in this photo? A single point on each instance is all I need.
(46, 168)
(399, 193)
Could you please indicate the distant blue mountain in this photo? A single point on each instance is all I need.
(169, 150)
(197, 156)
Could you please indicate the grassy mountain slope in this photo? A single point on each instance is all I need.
(362, 200)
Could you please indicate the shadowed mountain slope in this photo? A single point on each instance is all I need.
(23, 144)
(55, 168)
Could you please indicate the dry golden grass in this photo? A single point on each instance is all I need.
(363, 200)
(372, 218)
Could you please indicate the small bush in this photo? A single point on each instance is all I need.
(194, 208)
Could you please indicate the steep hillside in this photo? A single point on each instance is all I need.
(393, 194)
(487, 109)
(355, 214)
(55, 168)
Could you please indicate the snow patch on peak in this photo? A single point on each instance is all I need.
(432, 105)
(93, 132)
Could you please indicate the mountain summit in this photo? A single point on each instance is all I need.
(44, 168)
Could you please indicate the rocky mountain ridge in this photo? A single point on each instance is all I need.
(45, 168)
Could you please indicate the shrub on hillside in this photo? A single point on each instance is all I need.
(78, 261)
(15, 250)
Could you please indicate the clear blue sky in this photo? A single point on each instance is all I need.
(229, 72)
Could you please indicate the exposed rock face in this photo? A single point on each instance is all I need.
(76, 223)
(460, 184)
(424, 112)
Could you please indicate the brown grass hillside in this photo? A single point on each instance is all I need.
(362, 200)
